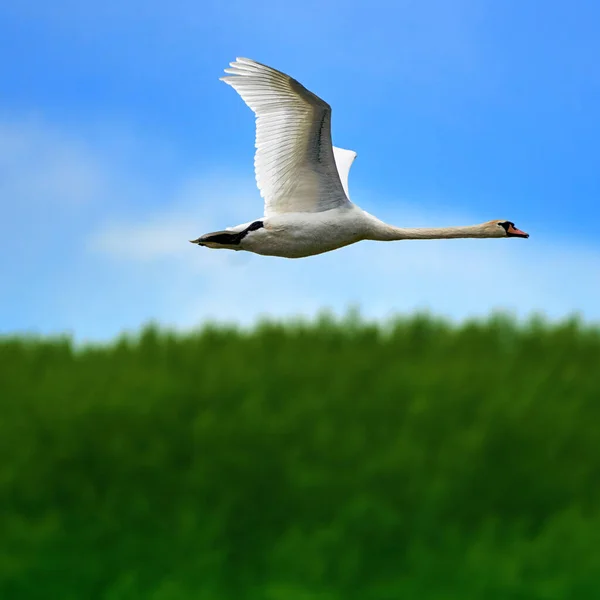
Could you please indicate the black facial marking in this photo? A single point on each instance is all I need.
(506, 225)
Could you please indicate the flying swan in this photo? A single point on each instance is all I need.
(303, 178)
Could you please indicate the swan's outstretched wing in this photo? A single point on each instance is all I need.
(343, 162)
(294, 162)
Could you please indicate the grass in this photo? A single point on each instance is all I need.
(333, 460)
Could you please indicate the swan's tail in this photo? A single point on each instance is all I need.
(219, 239)
(230, 238)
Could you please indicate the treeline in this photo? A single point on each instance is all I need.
(327, 461)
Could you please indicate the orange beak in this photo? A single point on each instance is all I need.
(513, 231)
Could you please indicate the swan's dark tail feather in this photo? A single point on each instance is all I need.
(219, 239)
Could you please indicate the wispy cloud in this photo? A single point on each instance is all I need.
(42, 166)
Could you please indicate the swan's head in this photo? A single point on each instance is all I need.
(501, 228)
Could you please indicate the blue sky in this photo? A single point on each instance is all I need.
(118, 144)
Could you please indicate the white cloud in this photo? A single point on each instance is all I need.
(55, 185)
(42, 166)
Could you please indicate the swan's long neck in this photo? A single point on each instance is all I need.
(383, 232)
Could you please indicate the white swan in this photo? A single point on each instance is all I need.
(303, 179)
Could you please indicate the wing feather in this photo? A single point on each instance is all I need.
(294, 163)
(343, 161)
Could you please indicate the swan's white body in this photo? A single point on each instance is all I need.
(303, 178)
(295, 235)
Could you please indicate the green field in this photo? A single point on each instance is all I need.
(326, 461)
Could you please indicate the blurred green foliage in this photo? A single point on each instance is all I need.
(327, 461)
